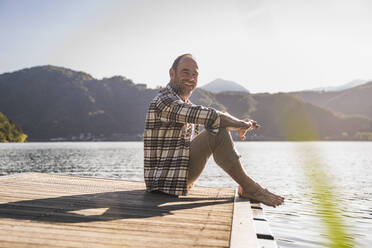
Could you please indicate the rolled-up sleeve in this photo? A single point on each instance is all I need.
(172, 109)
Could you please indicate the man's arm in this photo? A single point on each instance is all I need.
(171, 109)
(230, 122)
(174, 110)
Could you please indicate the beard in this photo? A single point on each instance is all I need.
(181, 89)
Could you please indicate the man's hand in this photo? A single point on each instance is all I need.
(232, 123)
(251, 125)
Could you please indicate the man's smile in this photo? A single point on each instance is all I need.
(189, 84)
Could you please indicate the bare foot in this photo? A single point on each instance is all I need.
(262, 195)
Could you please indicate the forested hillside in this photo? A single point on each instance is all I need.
(9, 131)
(54, 103)
(353, 101)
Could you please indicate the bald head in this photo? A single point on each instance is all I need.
(180, 58)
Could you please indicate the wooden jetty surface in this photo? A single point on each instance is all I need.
(50, 210)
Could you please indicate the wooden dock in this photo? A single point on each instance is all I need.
(50, 210)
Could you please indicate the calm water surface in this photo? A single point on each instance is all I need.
(282, 167)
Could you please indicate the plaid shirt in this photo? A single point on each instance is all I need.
(167, 140)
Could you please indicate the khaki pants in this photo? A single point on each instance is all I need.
(224, 154)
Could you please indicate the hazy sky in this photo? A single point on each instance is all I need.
(267, 46)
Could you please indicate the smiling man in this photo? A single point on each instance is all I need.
(175, 153)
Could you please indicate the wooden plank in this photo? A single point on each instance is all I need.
(243, 233)
(104, 227)
(75, 204)
(161, 228)
(102, 238)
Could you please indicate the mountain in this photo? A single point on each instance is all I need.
(353, 101)
(289, 118)
(55, 103)
(51, 102)
(349, 85)
(9, 131)
(284, 117)
(220, 85)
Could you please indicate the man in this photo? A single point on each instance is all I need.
(173, 160)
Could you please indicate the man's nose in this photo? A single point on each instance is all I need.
(192, 77)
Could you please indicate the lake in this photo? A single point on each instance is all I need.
(307, 174)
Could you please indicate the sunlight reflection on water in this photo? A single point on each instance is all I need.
(275, 165)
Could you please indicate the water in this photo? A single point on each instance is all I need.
(279, 166)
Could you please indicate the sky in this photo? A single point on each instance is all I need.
(264, 45)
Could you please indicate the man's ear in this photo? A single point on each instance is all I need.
(172, 73)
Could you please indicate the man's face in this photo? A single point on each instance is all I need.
(185, 79)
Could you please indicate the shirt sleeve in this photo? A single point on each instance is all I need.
(172, 109)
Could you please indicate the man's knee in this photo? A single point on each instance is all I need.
(223, 131)
(223, 134)
(224, 152)
(222, 138)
